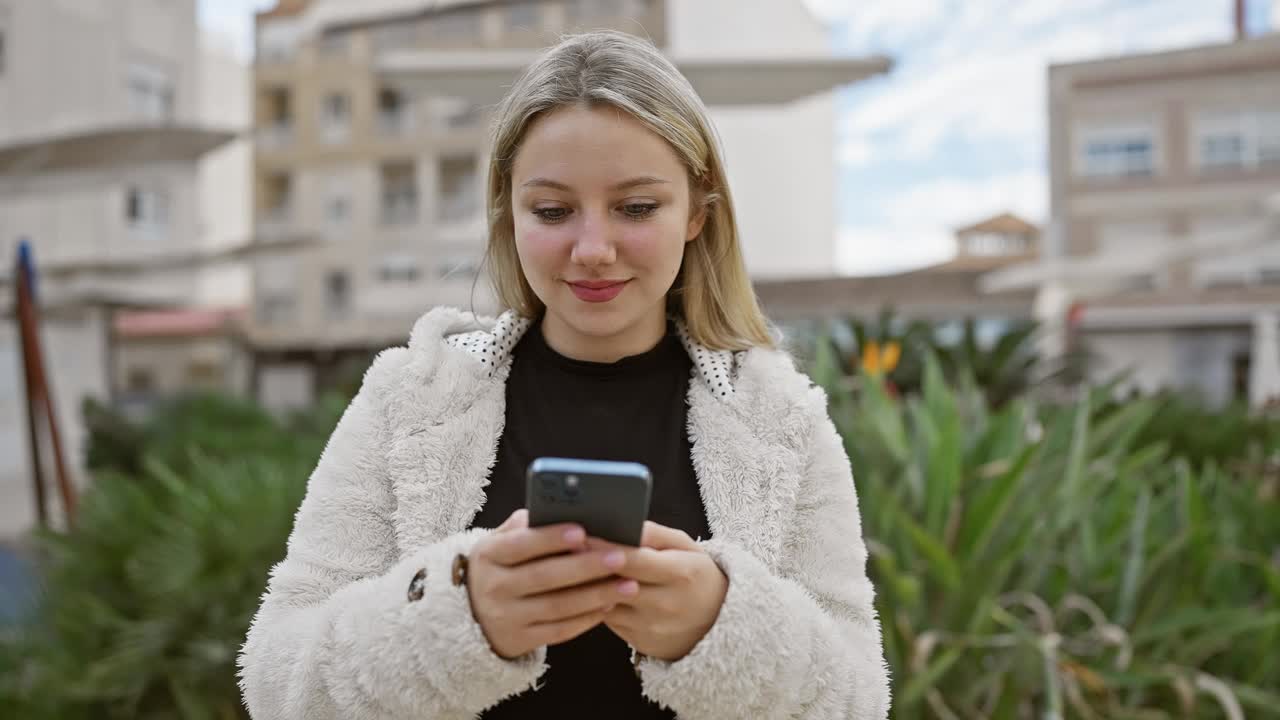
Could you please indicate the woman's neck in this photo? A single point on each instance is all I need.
(639, 337)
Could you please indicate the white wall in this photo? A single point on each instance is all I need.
(1148, 354)
(224, 176)
(782, 173)
(781, 160)
(67, 62)
(73, 217)
(733, 28)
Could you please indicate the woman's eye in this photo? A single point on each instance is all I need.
(551, 215)
(639, 211)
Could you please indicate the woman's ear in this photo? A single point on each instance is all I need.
(698, 218)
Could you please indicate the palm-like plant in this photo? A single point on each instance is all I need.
(1034, 562)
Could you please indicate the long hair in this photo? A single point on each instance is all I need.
(712, 293)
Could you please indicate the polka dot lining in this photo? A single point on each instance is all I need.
(493, 347)
(715, 367)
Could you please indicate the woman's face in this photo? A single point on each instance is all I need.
(601, 209)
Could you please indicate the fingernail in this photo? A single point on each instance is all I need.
(628, 587)
(614, 560)
(574, 535)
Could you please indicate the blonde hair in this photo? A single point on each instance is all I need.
(712, 293)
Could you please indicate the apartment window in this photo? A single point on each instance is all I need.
(278, 197)
(1242, 140)
(146, 209)
(337, 202)
(277, 114)
(399, 194)
(521, 16)
(278, 40)
(335, 117)
(205, 374)
(459, 26)
(452, 113)
(990, 244)
(338, 211)
(337, 293)
(398, 269)
(335, 44)
(459, 188)
(275, 280)
(140, 380)
(276, 308)
(393, 112)
(151, 92)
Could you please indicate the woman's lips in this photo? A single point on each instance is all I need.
(597, 291)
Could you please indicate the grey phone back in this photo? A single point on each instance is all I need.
(609, 499)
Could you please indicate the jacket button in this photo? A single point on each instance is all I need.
(418, 585)
(460, 567)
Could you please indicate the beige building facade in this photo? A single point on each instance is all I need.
(371, 125)
(1163, 252)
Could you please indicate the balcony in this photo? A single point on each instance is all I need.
(399, 210)
(395, 123)
(276, 223)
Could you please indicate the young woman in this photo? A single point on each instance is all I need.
(413, 586)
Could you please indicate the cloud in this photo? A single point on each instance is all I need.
(980, 75)
(918, 223)
(966, 110)
(856, 152)
(232, 19)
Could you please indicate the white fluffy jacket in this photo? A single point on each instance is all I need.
(404, 473)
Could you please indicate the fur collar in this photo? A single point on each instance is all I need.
(491, 344)
(749, 422)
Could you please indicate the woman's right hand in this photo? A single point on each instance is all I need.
(531, 587)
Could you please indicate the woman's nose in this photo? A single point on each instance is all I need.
(595, 243)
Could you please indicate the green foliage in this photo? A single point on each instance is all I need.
(146, 602)
(1052, 562)
(1230, 435)
(1091, 559)
(1004, 367)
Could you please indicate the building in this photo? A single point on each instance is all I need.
(1164, 243)
(945, 294)
(100, 152)
(164, 353)
(371, 133)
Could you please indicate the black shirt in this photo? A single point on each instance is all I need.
(631, 410)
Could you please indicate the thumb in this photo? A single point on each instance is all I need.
(518, 520)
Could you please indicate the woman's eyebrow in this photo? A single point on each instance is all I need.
(624, 185)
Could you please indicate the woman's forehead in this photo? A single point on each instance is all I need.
(598, 145)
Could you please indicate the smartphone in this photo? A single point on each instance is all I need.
(609, 499)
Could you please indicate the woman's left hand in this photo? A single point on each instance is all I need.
(676, 594)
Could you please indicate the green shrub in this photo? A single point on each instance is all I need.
(1048, 563)
(145, 603)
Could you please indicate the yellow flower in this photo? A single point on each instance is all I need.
(878, 361)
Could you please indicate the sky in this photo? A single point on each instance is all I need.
(956, 132)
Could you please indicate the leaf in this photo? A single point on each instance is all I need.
(1133, 565)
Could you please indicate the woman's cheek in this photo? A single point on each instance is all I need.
(540, 249)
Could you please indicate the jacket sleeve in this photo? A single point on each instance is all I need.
(337, 635)
(803, 642)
